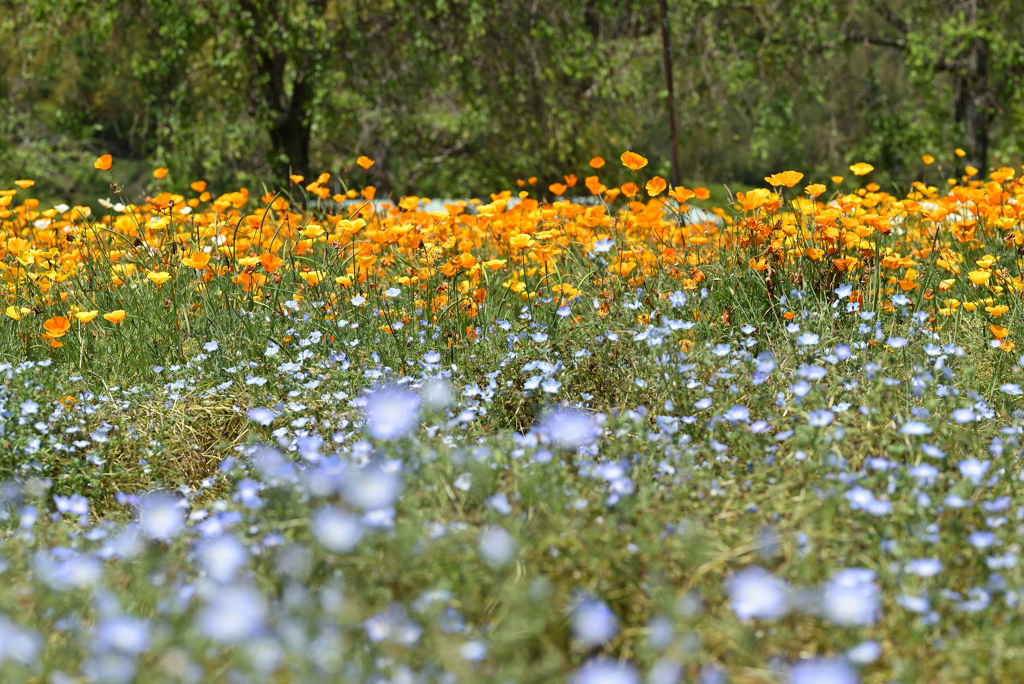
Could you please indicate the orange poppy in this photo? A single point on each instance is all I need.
(56, 327)
(198, 260)
(270, 262)
(633, 161)
(786, 178)
(104, 163)
(656, 186)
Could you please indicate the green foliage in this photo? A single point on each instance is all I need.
(466, 96)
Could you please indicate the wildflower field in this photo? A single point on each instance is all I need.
(584, 433)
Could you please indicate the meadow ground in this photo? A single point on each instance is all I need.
(258, 439)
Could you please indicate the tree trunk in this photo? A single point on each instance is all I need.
(288, 126)
(290, 132)
(974, 103)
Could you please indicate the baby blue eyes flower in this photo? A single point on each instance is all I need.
(851, 598)
(864, 653)
(161, 517)
(755, 593)
(358, 300)
(737, 414)
(603, 245)
(499, 503)
(915, 428)
(973, 469)
(807, 340)
(392, 292)
(594, 623)
(261, 416)
(76, 504)
(964, 415)
(1010, 388)
(703, 403)
(570, 429)
(924, 567)
(222, 557)
(337, 530)
(497, 547)
(473, 651)
(982, 540)
(915, 604)
(820, 418)
(843, 291)
(392, 413)
(824, 671)
(606, 672)
(235, 613)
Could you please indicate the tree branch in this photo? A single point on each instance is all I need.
(890, 16)
(881, 41)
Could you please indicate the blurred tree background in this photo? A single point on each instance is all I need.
(462, 97)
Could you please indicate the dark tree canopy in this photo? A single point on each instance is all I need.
(464, 96)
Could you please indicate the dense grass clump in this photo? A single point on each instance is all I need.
(312, 440)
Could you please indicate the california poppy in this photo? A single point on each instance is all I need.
(633, 161)
(786, 178)
(656, 186)
(56, 327)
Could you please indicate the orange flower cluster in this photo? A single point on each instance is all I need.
(944, 252)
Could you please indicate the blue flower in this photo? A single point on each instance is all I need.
(915, 428)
